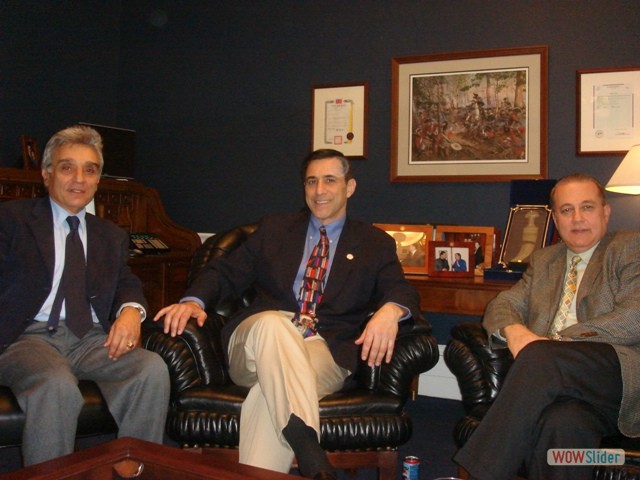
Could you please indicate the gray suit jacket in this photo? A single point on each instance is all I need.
(608, 307)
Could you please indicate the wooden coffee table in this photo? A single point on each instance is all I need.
(158, 462)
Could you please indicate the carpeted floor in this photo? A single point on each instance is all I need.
(432, 441)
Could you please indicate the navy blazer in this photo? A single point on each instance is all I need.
(364, 275)
(27, 257)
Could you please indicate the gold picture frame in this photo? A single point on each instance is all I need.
(476, 116)
(339, 118)
(411, 244)
(527, 231)
(486, 242)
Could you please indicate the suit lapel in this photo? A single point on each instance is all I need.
(345, 257)
(555, 280)
(592, 273)
(292, 251)
(41, 225)
(96, 249)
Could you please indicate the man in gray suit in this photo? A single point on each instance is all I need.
(575, 380)
(45, 350)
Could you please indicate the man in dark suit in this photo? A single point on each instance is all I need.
(42, 355)
(583, 384)
(291, 361)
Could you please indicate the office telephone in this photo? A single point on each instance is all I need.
(145, 243)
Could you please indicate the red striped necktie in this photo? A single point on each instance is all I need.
(312, 287)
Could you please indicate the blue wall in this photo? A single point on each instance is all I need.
(220, 92)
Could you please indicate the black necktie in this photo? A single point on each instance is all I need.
(73, 286)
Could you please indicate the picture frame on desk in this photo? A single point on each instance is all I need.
(451, 259)
(411, 244)
(30, 152)
(485, 240)
(478, 116)
(528, 229)
(339, 118)
(607, 110)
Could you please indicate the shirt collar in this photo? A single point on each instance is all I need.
(333, 228)
(60, 215)
(585, 256)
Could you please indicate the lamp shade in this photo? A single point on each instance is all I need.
(626, 179)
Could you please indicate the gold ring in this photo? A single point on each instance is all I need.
(130, 345)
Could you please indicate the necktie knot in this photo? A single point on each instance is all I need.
(575, 260)
(74, 223)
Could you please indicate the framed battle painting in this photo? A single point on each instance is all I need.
(470, 116)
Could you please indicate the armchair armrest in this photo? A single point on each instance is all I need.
(194, 358)
(415, 352)
(479, 370)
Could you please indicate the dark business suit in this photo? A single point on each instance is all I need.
(598, 369)
(364, 275)
(27, 256)
(286, 373)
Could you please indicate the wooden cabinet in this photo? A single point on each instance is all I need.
(137, 209)
(466, 296)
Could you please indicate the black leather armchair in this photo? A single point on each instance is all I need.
(480, 372)
(360, 427)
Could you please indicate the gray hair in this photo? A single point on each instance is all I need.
(75, 135)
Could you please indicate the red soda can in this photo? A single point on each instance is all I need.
(411, 468)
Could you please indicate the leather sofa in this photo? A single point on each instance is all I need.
(480, 372)
(360, 427)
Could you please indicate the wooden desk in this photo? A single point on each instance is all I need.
(466, 296)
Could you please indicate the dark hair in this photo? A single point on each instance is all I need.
(578, 177)
(322, 154)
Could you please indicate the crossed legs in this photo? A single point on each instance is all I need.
(287, 376)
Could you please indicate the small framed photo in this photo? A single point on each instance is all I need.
(411, 245)
(451, 259)
(528, 229)
(484, 239)
(30, 152)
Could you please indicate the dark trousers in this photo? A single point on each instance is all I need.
(556, 395)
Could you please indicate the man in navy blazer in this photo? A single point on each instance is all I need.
(41, 360)
(289, 368)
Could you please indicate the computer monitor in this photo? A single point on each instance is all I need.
(119, 145)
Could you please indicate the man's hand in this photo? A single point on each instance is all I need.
(177, 315)
(518, 336)
(124, 333)
(379, 335)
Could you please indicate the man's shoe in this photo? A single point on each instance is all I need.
(325, 476)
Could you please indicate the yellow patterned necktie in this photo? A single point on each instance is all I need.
(568, 292)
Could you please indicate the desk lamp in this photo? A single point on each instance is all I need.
(626, 179)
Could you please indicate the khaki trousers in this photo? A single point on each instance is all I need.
(287, 375)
